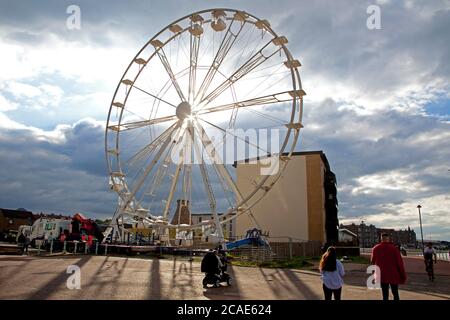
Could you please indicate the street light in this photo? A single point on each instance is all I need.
(421, 231)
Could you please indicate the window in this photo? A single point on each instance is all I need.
(199, 219)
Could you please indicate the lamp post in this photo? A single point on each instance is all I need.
(421, 231)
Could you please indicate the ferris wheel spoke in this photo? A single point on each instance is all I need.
(194, 48)
(225, 46)
(140, 124)
(216, 160)
(221, 170)
(230, 133)
(152, 95)
(160, 174)
(151, 146)
(269, 99)
(173, 188)
(208, 188)
(187, 183)
(253, 62)
(149, 168)
(165, 62)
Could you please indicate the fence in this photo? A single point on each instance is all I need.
(285, 249)
(293, 247)
(441, 255)
(281, 248)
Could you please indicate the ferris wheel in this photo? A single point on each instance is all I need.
(178, 104)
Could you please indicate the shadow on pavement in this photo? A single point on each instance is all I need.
(47, 289)
(302, 288)
(154, 289)
(225, 292)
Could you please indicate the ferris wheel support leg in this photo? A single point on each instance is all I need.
(211, 198)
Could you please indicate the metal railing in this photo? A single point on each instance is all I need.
(441, 255)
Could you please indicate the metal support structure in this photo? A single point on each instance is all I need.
(211, 198)
(421, 231)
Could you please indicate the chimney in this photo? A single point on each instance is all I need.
(182, 215)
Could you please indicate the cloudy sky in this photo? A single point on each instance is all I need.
(378, 101)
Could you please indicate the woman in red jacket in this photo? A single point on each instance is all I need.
(387, 257)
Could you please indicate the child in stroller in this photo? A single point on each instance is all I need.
(214, 265)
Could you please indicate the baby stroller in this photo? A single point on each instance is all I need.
(214, 268)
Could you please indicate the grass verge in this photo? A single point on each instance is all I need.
(294, 263)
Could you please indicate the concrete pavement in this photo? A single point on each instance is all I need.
(23, 277)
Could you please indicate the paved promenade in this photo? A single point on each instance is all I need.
(23, 277)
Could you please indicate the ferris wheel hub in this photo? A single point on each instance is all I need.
(183, 110)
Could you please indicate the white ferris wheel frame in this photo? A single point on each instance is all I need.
(126, 196)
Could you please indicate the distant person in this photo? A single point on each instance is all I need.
(428, 254)
(26, 244)
(387, 257)
(332, 271)
(22, 241)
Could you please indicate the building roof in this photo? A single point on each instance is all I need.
(295, 153)
(16, 214)
(349, 232)
(51, 216)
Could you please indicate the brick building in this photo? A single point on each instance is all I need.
(10, 220)
(369, 235)
(405, 237)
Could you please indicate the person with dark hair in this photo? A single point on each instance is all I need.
(332, 271)
(387, 257)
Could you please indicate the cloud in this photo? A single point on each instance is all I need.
(383, 162)
(6, 105)
(374, 69)
(61, 170)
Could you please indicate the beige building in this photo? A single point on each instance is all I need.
(301, 205)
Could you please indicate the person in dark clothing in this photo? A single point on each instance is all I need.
(22, 241)
(428, 254)
(214, 266)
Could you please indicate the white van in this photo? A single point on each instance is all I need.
(45, 229)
